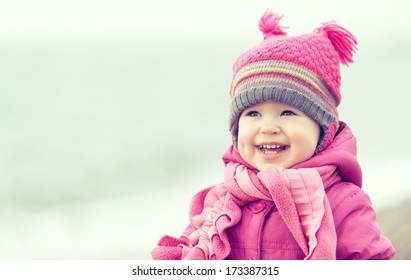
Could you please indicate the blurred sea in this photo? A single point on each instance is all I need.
(102, 148)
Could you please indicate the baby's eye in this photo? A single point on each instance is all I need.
(253, 114)
(287, 113)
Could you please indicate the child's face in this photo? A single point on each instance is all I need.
(272, 134)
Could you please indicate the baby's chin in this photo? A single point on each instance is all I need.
(265, 167)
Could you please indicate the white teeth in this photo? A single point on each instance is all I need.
(272, 149)
(270, 146)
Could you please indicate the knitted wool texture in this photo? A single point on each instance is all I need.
(300, 71)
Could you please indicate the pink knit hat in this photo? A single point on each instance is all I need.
(301, 71)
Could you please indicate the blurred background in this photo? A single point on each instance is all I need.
(113, 113)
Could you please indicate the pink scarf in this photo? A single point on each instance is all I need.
(297, 193)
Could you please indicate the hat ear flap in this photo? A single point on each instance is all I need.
(269, 25)
(343, 41)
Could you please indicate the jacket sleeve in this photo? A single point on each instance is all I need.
(358, 232)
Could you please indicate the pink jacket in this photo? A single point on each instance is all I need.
(262, 234)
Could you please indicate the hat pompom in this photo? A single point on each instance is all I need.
(343, 41)
(269, 25)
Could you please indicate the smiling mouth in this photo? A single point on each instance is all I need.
(272, 149)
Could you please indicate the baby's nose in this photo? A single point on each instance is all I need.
(270, 127)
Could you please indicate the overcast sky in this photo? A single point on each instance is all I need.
(28, 22)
